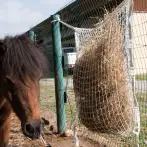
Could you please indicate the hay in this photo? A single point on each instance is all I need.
(101, 83)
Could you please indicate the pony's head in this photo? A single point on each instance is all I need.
(21, 65)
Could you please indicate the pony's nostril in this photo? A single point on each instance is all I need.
(41, 127)
(29, 129)
(33, 129)
(38, 129)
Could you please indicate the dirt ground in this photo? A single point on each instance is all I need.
(47, 106)
(17, 139)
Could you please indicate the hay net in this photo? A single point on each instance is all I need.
(103, 79)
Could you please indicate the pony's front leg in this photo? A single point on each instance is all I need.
(5, 118)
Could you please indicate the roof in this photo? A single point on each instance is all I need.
(77, 10)
(140, 6)
(78, 13)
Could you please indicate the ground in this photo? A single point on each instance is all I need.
(47, 105)
(19, 140)
(48, 108)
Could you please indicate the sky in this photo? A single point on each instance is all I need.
(18, 16)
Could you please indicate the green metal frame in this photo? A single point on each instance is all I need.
(58, 70)
(32, 35)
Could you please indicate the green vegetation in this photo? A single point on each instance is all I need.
(142, 100)
(141, 77)
(47, 102)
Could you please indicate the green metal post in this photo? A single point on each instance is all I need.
(58, 70)
(31, 35)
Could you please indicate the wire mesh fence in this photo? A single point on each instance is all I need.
(106, 98)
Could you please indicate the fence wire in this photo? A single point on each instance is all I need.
(78, 22)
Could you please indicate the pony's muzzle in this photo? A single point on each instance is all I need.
(33, 129)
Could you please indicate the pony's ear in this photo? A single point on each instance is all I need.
(3, 48)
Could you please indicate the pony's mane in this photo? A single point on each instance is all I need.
(23, 58)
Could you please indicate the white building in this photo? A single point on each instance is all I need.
(139, 35)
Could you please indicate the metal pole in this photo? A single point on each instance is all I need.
(58, 70)
(32, 35)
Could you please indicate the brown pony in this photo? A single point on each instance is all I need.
(21, 65)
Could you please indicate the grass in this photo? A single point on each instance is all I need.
(142, 100)
(141, 77)
(47, 102)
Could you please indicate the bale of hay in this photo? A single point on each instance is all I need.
(101, 82)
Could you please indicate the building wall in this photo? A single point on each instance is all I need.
(139, 38)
